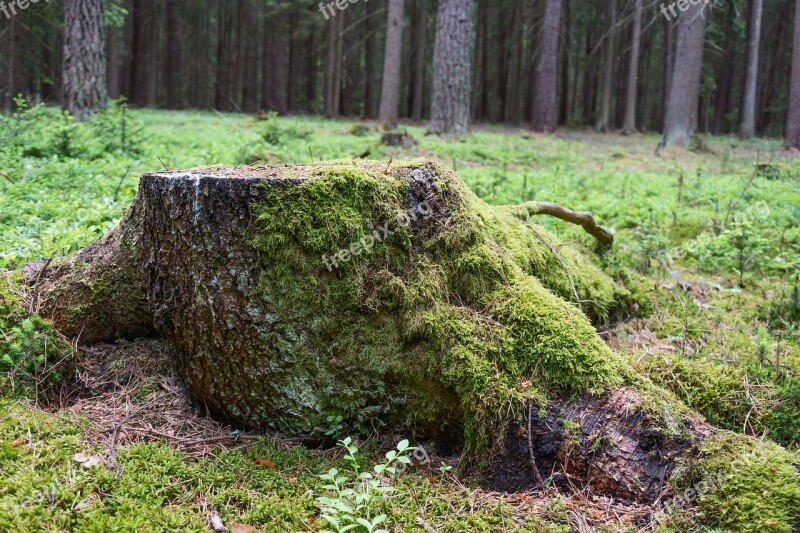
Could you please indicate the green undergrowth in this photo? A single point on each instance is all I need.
(268, 486)
(448, 328)
(33, 359)
(740, 484)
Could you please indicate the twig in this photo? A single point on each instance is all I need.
(563, 265)
(6, 176)
(582, 218)
(530, 446)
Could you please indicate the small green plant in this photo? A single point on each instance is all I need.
(334, 426)
(277, 131)
(353, 499)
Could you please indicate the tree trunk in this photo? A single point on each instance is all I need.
(217, 262)
(250, 63)
(138, 71)
(604, 122)
(85, 89)
(545, 105)
(748, 128)
(370, 58)
(629, 126)
(390, 89)
(277, 62)
(112, 71)
(564, 87)
(793, 120)
(171, 46)
(669, 65)
(450, 97)
(684, 93)
(420, 61)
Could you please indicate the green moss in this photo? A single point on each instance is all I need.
(32, 357)
(471, 304)
(741, 484)
(732, 396)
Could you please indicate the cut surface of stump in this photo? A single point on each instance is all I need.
(389, 295)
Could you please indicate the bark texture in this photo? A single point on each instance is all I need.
(545, 111)
(450, 98)
(393, 55)
(684, 94)
(85, 89)
(793, 122)
(604, 122)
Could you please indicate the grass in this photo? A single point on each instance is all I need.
(708, 244)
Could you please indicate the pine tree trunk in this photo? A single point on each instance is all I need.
(277, 62)
(748, 128)
(370, 59)
(390, 88)
(450, 98)
(112, 72)
(171, 54)
(138, 70)
(604, 122)
(669, 65)
(793, 120)
(250, 75)
(564, 87)
(629, 126)
(545, 106)
(684, 94)
(85, 89)
(420, 61)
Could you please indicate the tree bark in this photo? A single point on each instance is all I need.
(629, 126)
(748, 127)
(390, 89)
(370, 58)
(450, 97)
(545, 106)
(684, 93)
(85, 89)
(793, 120)
(604, 122)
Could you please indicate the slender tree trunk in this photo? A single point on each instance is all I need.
(138, 78)
(171, 54)
(112, 72)
(633, 70)
(748, 128)
(545, 110)
(154, 28)
(390, 90)
(221, 93)
(604, 123)
(450, 97)
(250, 75)
(277, 65)
(684, 93)
(85, 89)
(370, 61)
(669, 64)
(563, 106)
(793, 120)
(419, 61)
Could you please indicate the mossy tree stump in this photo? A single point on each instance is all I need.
(389, 295)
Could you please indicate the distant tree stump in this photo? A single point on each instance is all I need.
(398, 138)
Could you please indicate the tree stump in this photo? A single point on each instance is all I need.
(391, 296)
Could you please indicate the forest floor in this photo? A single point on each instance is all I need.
(708, 241)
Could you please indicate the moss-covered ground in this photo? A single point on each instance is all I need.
(707, 245)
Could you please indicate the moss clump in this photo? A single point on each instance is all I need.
(732, 397)
(447, 324)
(32, 357)
(741, 484)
